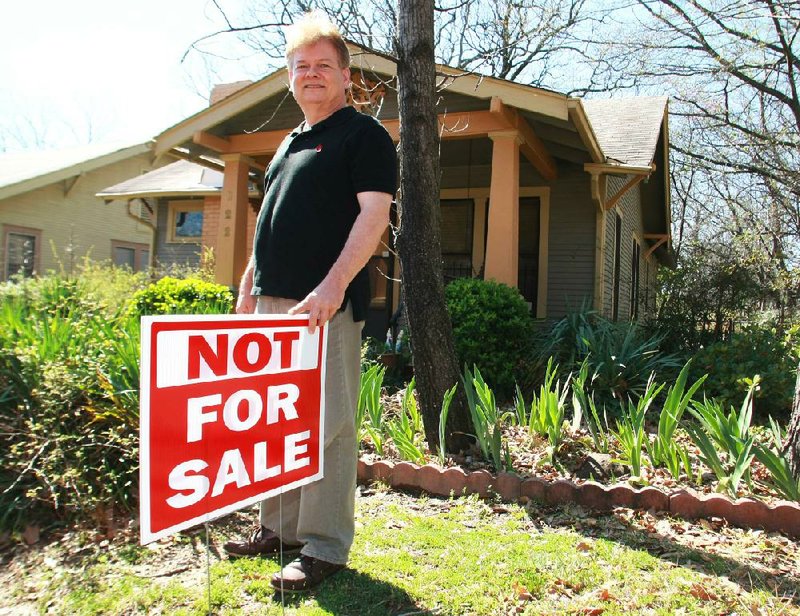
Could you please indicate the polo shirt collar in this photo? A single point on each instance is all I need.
(337, 117)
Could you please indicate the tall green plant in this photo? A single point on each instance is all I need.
(585, 409)
(664, 451)
(630, 429)
(729, 434)
(777, 463)
(406, 430)
(546, 417)
(443, 414)
(369, 410)
(485, 417)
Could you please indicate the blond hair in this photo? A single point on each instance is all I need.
(311, 28)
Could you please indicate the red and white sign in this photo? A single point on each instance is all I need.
(231, 412)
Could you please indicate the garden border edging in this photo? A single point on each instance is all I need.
(783, 516)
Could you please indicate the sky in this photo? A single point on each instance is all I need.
(79, 71)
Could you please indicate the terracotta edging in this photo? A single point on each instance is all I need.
(783, 516)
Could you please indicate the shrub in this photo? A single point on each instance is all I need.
(621, 355)
(65, 455)
(492, 329)
(755, 350)
(189, 296)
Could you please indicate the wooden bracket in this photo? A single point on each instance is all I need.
(70, 183)
(661, 238)
(636, 179)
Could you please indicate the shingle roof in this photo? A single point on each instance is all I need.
(181, 177)
(627, 128)
(25, 171)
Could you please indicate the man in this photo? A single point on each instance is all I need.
(327, 196)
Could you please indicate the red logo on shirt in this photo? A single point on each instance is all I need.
(319, 148)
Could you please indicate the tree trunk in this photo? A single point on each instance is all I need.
(792, 445)
(418, 234)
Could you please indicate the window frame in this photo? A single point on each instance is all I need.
(140, 264)
(36, 234)
(176, 207)
(636, 255)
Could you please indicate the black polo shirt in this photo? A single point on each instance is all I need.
(310, 204)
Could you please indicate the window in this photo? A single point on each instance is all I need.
(617, 262)
(21, 251)
(457, 224)
(185, 221)
(529, 223)
(134, 256)
(635, 257)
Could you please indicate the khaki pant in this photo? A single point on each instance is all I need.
(321, 515)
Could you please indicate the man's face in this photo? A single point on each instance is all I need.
(316, 78)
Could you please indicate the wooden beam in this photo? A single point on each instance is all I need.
(636, 179)
(220, 145)
(661, 238)
(532, 147)
(255, 144)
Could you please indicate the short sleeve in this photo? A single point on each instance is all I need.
(373, 159)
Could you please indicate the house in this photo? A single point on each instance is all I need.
(184, 201)
(51, 219)
(568, 200)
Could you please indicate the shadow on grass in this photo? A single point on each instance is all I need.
(621, 531)
(355, 593)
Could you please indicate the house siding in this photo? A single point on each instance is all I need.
(629, 208)
(572, 242)
(77, 225)
(168, 253)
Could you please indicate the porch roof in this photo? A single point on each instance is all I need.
(266, 106)
(181, 178)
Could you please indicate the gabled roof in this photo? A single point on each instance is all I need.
(179, 178)
(555, 107)
(628, 128)
(26, 171)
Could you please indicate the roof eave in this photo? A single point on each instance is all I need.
(577, 114)
(522, 97)
(86, 166)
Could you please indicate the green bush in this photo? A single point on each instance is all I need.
(189, 296)
(755, 350)
(620, 355)
(69, 389)
(66, 454)
(492, 329)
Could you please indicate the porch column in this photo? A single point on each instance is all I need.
(231, 253)
(502, 239)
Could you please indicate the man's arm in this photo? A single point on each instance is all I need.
(326, 299)
(246, 303)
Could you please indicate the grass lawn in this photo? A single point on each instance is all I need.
(418, 555)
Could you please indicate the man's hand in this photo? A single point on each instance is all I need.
(246, 304)
(321, 304)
